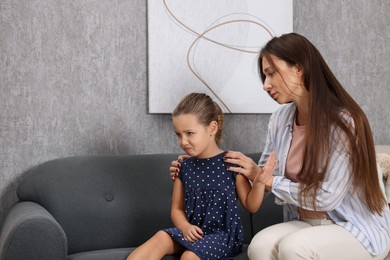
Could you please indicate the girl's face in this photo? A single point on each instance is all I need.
(194, 138)
(283, 82)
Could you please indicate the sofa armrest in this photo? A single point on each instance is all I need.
(30, 232)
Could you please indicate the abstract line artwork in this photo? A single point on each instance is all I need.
(212, 47)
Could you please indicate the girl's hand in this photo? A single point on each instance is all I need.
(265, 176)
(245, 165)
(192, 233)
(174, 169)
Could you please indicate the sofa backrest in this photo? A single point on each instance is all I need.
(107, 201)
(103, 201)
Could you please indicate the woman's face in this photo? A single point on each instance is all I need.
(283, 82)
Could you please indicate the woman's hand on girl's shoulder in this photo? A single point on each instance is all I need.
(244, 164)
(174, 169)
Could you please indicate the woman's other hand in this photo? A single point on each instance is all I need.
(174, 169)
(265, 176)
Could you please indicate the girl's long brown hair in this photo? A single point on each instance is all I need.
(331, 107)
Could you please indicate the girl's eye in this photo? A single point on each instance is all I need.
(190, 133)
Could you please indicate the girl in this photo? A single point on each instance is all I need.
(204, 209)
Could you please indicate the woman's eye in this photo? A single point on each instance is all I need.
(190, 133)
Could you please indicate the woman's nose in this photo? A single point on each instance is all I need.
(267, 86)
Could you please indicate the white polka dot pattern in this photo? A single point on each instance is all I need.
(211, 204)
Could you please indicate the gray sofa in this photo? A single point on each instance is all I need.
(99, 207)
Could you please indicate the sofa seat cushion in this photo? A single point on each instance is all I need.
(122, 253)
(108, 254)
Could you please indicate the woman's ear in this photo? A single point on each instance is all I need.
(299, 70)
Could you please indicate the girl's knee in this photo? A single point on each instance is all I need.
(162, 240)
(189, 255)
(160, 244)
(161, 235)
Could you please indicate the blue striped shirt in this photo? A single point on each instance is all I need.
(335, 195)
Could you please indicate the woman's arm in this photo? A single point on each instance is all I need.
(190, 232)
(333, 189)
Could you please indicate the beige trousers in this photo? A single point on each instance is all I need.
(295, 240)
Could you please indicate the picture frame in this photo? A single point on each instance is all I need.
(212, 47)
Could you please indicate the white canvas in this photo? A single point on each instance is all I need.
(212, 46)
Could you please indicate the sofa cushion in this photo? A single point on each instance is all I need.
(122, 253)
(108, 254)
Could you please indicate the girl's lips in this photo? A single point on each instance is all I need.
(187, 150)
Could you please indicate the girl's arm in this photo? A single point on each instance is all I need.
(190, 232)
(252, 197)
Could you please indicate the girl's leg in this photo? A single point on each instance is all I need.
(264, 244)
(327, 242)
(189, 255)
(156, 247)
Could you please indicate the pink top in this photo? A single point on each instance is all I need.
(295, 154)
(294, 165)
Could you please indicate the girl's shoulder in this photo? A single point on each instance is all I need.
(186, 162)
(216, 161)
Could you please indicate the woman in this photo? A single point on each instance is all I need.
(327, 176)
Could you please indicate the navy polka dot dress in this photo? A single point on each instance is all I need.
(211, 204)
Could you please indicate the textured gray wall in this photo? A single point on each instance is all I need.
(73, 78)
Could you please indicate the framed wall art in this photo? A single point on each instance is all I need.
(212, 47)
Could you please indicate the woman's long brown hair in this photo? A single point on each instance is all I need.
(331, 107)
